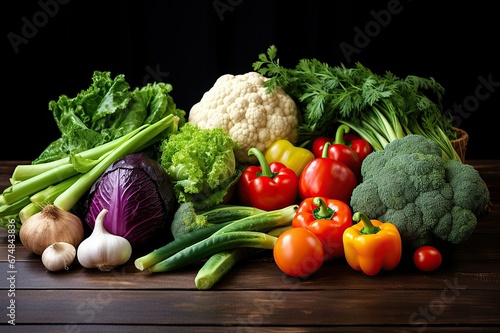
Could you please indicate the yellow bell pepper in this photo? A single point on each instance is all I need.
(295, 158)
(371, 245)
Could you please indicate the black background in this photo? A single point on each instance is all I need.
(52, 48)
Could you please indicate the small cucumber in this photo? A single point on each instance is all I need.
(219, 264)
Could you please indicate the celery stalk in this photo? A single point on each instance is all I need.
(49, 194)
(37, 183)
(13, 208)
(29, 210)
(74, 193)
(44, 197)
(23, 172)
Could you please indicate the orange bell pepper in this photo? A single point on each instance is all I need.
(292, 157)
(372, 245)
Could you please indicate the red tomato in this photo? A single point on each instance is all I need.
(298, 252)
(427, 258)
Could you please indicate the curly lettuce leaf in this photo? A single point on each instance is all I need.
(200, 162)
(208, 197)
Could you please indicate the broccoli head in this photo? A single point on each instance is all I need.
(187, 220)
(425, 196)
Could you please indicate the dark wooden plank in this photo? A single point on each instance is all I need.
(449, 305)
(54, 328)
(253, 275)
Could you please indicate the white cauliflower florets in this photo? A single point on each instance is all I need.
(241, 105)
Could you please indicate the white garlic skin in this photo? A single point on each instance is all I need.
(58, 256)
(102, 249)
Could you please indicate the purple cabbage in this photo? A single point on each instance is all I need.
(139, 197)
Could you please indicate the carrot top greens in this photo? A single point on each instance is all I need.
(380, 108)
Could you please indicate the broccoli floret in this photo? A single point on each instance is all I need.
(469, 190)
(410, 184)
(414, 234)
(464, 223)
(413, 144)
(187, 220)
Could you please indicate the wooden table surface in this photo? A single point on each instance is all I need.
(461, 296)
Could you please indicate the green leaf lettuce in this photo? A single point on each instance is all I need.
(105, 111)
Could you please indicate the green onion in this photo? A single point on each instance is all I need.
(176, 245)
(214, 244)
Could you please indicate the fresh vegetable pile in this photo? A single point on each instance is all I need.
(313, 164)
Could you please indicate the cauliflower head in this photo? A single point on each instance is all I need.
(425, 196)
(252, 116)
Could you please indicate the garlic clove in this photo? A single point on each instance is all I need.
(58, 256)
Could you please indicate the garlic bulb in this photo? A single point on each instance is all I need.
(102, 249)
(58, 256)
(48, 226)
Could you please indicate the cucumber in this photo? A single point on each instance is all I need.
(219, 264)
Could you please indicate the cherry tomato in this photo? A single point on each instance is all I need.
(427, 258)
(298, 252)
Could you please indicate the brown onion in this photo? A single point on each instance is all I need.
(48, 226)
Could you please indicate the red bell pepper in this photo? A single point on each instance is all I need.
(268, 186)
(325, 177)
(327, 219)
